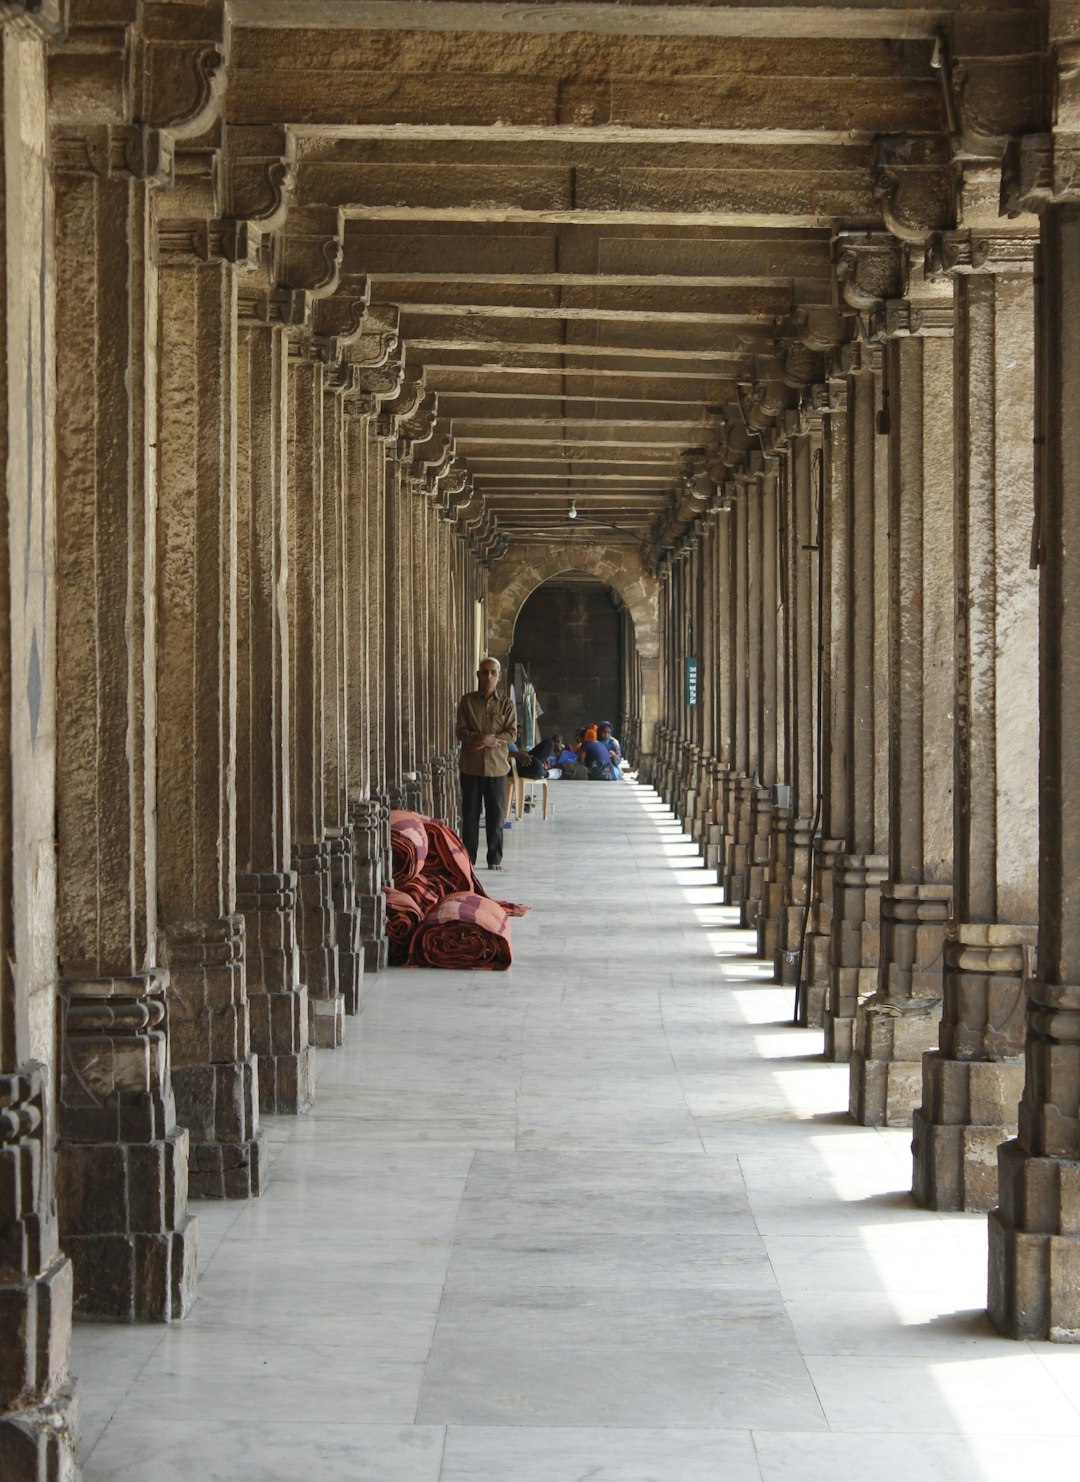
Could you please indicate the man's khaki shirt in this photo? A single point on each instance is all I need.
(479, 715)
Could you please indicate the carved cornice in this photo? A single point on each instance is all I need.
(971, 252)
(110, 150)
(914, 184)
(258, 305)
(904, 317)
(208, 241)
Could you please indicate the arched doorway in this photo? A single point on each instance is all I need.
(574, 636)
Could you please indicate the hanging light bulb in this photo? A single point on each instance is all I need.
(572, 512)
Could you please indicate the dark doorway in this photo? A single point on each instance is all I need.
(569, 637)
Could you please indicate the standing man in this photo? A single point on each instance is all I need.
(485, 724)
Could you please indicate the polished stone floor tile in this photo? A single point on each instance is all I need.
(603, 1217)
(536, 1454)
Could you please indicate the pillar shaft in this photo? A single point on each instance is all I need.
(311, 853)
(214, 1073)
(266, 882)
(861, 734)
(36, 1402)
(122, 1162)
(973, 1081)
(1034, 1239)
(899, 1022)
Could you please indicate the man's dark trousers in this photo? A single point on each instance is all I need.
(488, 793)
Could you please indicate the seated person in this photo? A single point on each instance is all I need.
(565, 754)
(597, 758)
(613, 747)
(535, 762)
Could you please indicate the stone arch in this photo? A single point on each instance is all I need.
(524, 568)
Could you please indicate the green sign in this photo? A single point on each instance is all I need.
(691, 681)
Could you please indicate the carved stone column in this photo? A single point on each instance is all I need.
(1035, 1231)
(336, 683)
(316, 916)
(37, 1403)
(832, 702)
(802, 556)
(266, 884)
(973, 1082)
(900, 1020)
(859, 869)
(122, 1166)
(215, 1074)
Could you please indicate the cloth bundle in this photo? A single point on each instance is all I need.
(437, 912)
(463, 931)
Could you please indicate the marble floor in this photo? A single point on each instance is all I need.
(600, 1217)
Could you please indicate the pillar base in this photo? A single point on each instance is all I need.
(326, 1021)
(287, 1082)
(135, 1278)
(38, 1444)
(968, 1110)
(1035, 1247)
(839, 1037)
(141, 1267)
(886, 1059)
(229, 1170)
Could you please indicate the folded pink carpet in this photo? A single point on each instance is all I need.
(403, 916)
(408, 845)
(465, 931)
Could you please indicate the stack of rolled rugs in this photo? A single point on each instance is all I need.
(437, 912)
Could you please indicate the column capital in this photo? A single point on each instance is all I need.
(201, 240)
(980, 252)
(109, 150)
(258, 174)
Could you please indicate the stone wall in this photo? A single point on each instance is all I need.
(569, 640)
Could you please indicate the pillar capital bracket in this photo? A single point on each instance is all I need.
(47, 17)
(870, 267)
(913, 183)
(1040, 170)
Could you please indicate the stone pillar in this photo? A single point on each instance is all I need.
(37, 1408)
(266, 884)
(1035, 1231)
(832, 703)
(859, 870)
(361, 512)
(803, 538)
(973, 1081)
(311, 857)
(215, 1074)
(123, 1161)
(336, 684)
(900, 1020)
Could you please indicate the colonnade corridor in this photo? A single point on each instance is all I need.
(600, 1216)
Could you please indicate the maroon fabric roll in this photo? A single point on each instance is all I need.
(408, 845)
(403, 916)
(464, 931)
(448, 869)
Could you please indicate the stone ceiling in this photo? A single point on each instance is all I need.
(601, 223)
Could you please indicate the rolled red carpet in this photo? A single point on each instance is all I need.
(465, 931)
(408, 845)
(403, 916)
